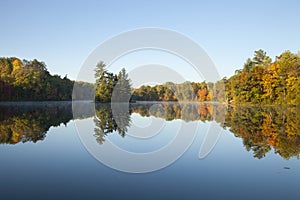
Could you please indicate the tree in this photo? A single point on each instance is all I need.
(103, 89)
(111, 87)
(264, 82)
(122, 90)
(261, 59)
(29, 80)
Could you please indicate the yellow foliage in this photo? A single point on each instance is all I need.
(210, 109)
(17, 64)
(15, 138)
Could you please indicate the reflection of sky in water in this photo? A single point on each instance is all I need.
(139, 121)
(160, 138)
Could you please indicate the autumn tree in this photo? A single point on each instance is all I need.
(24, 80)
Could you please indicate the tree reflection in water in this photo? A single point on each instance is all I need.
(30, 121)
(27, 122)
(107, 121)
(264, 128)
(261, 128)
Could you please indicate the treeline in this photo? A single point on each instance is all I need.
(23, 80)
(261, 81)
(187, 91)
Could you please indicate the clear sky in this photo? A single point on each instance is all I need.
(63, 33)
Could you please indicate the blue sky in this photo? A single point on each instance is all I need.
(63, 33)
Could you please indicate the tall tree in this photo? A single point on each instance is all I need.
(109, 84)
(122, 90)
(102, 92)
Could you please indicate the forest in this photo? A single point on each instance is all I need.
(23, 80)
(260, 81)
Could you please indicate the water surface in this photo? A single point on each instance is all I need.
(42, 156)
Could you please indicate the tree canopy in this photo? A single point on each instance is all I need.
(24, 80)
(260, 81)
(110, 87)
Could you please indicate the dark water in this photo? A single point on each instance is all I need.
(43, 157)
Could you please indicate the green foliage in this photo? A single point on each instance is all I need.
(30, 81)
(169, 91)
(261, 81)
(109, 84)
(25, 123)
(107, 122)
(264, 82)
(261, 128)
(264, 128)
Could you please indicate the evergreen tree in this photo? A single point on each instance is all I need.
(111, 87)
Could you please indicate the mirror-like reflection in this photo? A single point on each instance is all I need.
(262, 129)
(20, 123)
(184, 111)
(107, 122)
(30, 121)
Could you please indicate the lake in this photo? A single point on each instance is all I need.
(148, 150)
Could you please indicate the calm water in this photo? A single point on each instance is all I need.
(43, 157)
